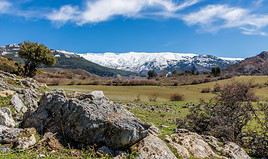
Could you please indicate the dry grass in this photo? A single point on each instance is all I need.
(191, 93)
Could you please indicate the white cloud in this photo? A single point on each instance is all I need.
(4, 6)
(102, 10)
(216, 17)
(66, 13)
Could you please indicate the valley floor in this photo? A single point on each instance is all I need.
(191, 93)
(153, 104)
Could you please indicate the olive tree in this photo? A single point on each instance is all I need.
(34, 55)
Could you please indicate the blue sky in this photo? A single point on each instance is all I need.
(230, 28)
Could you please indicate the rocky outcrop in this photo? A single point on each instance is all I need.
(188, 144)
(88, 119)
(24, 91)
(19, 138)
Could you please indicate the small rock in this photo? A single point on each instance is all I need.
(105, 151)
(154, 130)
(152, 147)
(18, 104)
(19, 138)
(7, 93)
(4, 149)
(6, 118)
(233, 151)
(98, 94)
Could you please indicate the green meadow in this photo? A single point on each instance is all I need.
(162, 112)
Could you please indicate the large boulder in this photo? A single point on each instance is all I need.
(88, 119)
(186, 143)
(18, 138)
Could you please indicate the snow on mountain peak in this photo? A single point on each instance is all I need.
(142, 61)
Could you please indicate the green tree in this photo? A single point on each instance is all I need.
(216, 71)
(35, 55)
(152, 74)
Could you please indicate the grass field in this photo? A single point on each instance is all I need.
(191, 93)
(163, 112)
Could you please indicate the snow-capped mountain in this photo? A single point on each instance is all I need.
(142, 62)
(165, 61)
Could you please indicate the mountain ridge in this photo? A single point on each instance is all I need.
(140, 62)
(131, 63)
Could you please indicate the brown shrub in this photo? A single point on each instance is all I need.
(205, 90)
(176, 97)
(217, 88)
(153, 97)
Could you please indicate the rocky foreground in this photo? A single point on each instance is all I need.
(30, 118)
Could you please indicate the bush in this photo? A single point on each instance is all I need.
(138, 98)
(176, 97)
(217, 88)
(153, 97)
(205, 90)
(226, 117)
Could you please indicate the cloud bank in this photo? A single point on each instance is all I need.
(103, 10)
(205, 16)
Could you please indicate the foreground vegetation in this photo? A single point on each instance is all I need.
(156, 105)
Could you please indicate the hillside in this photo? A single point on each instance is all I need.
(68, 61)
(256, 65)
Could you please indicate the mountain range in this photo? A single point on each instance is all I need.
(132, 63)
(141, 62)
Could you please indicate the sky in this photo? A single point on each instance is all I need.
(229, 28)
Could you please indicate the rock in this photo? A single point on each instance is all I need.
(6, 118)
(18, 104)
(7, 93)
(233, 151)
(19, 138)
(105, 151)
(87, 121)
(25, 91)
(194, 143)
(154, 130)
(4, 149)
(186, 143)
(152, 147)
(98, 94)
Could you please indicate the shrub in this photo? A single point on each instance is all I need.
(138, 98)
(226, 117)
(205, 90)
(217, 88)
(151, 74)
(153, 97)
(176, 97)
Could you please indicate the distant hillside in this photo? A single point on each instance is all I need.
(68, 61)
(257, 65)
(73, 61)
